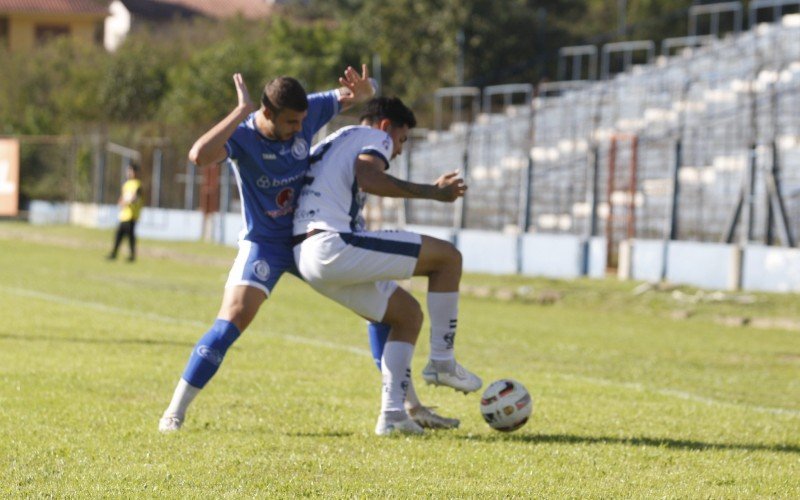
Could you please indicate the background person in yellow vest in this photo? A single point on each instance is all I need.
(130, 202)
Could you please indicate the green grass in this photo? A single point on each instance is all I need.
(628, 401)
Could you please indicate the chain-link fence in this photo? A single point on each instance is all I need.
(91, 169)
(703, 145)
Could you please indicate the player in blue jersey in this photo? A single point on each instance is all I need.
(268, 149)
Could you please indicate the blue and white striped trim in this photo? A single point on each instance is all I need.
(376, 153)
(380, 245)
(354, 208)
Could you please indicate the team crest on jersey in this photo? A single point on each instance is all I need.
(300, 148)
(261, 268)
(284, 200)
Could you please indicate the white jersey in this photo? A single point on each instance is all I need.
(330, 200)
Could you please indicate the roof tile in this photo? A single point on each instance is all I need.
(55, 6)
(216, 9)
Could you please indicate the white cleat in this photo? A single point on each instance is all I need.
(405, 426)
(170, 424)
(429, 419)
(451, 374)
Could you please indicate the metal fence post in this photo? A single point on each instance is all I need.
(99, 170)
(158, 160)
(748, 218)
(676, 191)
(671, 232)
(188, 198)
(592, 195)
(526, 194)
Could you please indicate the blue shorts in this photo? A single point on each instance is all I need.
(261, 264)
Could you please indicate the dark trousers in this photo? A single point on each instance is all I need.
(125, 229)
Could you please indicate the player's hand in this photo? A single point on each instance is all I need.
(242, 93)
(451, 186)
(355, 88)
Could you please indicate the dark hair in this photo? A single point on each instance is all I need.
(134, 166)
(282, 93)
(391, 108)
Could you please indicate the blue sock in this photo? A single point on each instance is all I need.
(208, 353)
(378, 334)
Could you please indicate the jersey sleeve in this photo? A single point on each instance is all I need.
(235, 144)
(379, 145)
(322, 107)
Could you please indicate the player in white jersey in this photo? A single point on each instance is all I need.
(340, 259)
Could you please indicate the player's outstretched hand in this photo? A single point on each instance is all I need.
(242, 93)
(451, 186)
(356, 88)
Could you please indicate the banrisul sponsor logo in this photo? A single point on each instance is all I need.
(265, 182)
(285, 202)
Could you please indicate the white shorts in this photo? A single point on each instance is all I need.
(356, 269)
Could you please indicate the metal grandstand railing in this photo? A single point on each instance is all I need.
(713, 14)
(777, 8)
(706, 122)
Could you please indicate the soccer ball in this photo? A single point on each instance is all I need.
(506, 405)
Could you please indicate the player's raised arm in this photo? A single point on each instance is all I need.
(356, 89)
(210, 147)
(372, 179)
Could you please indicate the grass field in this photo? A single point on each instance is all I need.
(630, 401)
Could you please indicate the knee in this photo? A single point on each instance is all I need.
(240, 305)
(455, 257)
(236, 313)
(452, 258)
(408, 316)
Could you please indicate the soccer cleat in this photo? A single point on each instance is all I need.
(405, 426)
(429, 419)
(169, 424)
(455, 376)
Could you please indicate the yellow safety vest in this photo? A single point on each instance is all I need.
(130, 211)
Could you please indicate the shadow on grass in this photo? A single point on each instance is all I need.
(680, 444)
(114, 341)
(328, 434)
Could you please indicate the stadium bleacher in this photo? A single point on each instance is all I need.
(530, 168)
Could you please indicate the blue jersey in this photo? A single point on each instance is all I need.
(270, 173)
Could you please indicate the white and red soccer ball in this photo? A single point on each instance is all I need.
(506, 405)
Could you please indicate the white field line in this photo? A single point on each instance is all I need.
(99, 306)
(674, 393)
(631, 386)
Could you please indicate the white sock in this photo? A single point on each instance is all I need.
(396, 370)
(443, 313)
(181, 399)
(412, 400)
